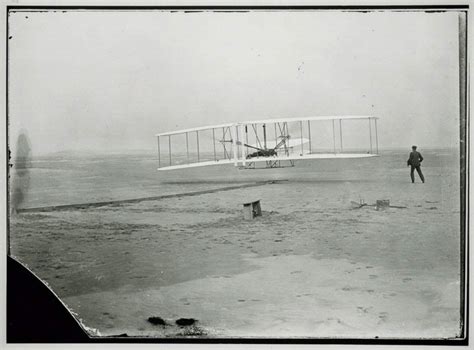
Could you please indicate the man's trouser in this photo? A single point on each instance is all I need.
(418, 170)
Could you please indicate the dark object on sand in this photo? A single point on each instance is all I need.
(252, 210)
(359, 205)
(157, 321)
(185, 321)
(381, 204)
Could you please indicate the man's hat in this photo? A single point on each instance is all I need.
(413, 146)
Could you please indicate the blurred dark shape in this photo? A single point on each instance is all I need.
(34, 313)
(156, 321)
(185, 321)
(20, 177)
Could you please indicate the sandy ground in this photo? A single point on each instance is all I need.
(311, 266)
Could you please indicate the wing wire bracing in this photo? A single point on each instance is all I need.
(272, 142)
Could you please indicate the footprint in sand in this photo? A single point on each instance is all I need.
(383, 316)
(334, 320)
(362, 309)
(373, 276)
(365, 310)
(347, 288)
(241, 300)
(297, 271)
(407, 279)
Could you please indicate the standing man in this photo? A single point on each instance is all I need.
(415, 162)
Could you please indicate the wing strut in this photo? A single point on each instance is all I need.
(214, 143)
(169, 142)
(246, 141)
(234, 144)
(159, 153)
(276, 137)
(197, 142)
(226, 155)
(243, 149)
(301, 131)
(376, 138)
(370, 135)
(264, 137)
(309, 135)
(340, 132)
(187, 148)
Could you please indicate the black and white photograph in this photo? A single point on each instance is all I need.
(237, 173)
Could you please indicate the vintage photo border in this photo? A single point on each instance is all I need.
(464, 159)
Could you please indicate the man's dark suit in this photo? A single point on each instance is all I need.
(415, 161)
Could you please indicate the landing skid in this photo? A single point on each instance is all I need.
(270, 164)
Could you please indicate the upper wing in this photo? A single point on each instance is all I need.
(305, 119)
(201, 128)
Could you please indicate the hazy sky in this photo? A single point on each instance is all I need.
(103, 81)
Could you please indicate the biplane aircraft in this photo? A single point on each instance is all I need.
(272, 143)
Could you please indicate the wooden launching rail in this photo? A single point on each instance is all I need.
(143, 199)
